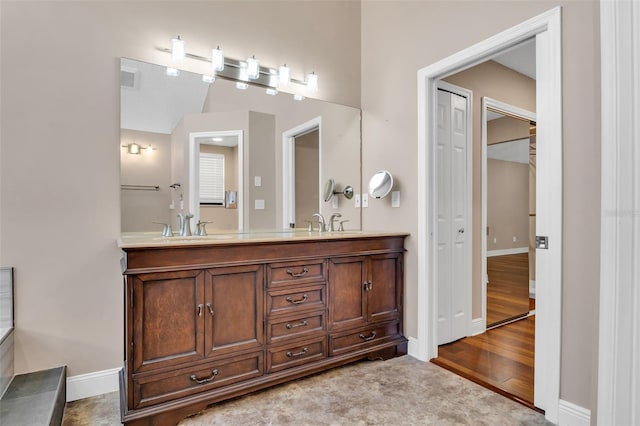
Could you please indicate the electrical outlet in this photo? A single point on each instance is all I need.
(365, 200)
(357, 200)
(257, 181)
(259, 204)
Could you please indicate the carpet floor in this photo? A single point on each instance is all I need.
(401, 391)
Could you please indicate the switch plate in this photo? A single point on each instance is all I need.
(357, 200)
(515, 238)
(365, 200)
(259, 204)
(257, 181)
(334, 202)
(395, 198)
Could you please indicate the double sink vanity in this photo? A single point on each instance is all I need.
(211, 318)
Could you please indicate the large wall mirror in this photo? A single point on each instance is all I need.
(242, 160)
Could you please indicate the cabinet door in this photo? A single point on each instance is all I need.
(347, 304)
(384, 291)
(234, 309)
(167, 312)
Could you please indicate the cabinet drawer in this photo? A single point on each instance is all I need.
(298, 354)
(295, 326)
(296, 299)
(299, 272)
(362, 337)
(153, 389)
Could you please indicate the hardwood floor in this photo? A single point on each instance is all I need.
(501, 359)
(508, 288)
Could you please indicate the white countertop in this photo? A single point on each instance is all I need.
(155, 239)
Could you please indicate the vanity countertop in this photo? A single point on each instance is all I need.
(154, 239)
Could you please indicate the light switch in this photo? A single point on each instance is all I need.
(259, 204)
(257, 181)
(334, 202)
(365, 200)
(395, 198)
(357, 200)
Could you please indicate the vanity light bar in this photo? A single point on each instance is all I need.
(253, 73)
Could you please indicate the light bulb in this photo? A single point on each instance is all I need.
(298, 97)
(177, 49)
(272, 92)
(242, 86)
(285, 75)
(253, 68)
(173, 72)
(208, 78)
(149, 149)
(217, 59)
(133, 148)
(312, 81)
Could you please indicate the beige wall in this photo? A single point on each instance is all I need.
(413, 35)
(507, 128)
(140, 208)
(307, 184)
(507, 204)
(60, 143)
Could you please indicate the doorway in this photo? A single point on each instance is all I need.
(301, 173)
(509, 211)
(546, 28)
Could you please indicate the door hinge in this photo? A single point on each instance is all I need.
(132, 349)
(131, 297)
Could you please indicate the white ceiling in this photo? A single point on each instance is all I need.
(159, 101)
(521, 58)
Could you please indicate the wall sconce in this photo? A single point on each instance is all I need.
(136, 149)
(240, 71)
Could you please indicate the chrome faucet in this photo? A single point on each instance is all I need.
(201, 229)
(332, 227)
(321, 222)
(185, 225)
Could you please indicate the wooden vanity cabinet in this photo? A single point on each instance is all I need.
(205, 323)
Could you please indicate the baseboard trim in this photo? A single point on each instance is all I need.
(570, 414)
(478, 326)
(412, 347)
(504, 252)
(92, 384)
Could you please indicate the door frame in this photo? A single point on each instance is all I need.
(194, 170)
(547, 28)
(468, 266)
(289, 167)
(494, 104)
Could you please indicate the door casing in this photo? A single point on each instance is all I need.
(547, 28)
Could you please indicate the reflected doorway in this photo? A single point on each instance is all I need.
(510, 216)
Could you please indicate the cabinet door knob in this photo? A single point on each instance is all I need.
(210, 308)
(194, 378)
(368, 285)
(297, 302)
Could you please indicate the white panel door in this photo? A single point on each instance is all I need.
(452, 262)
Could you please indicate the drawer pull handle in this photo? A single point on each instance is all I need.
(366, 339)
(292, 355)
(300, 324)
(299, 301)
(199, 313)
(368, 285)
(299, 274)
(214, 373)
(210, 308)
